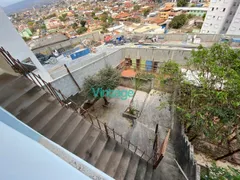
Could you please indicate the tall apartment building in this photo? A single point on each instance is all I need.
(222, 15)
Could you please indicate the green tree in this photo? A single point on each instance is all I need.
(219, 173)
(81, 30)
(136, 7)
(104, 17)
(209, 104)
(63, 17)
(105, 79)
(110, 20)
(204, 15)
(83, 23)
(146, 12)
(74, 25)
(30, 23)
(182, 3)
(178, 21)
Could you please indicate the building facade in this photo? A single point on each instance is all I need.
(234, 28)
(220, 16)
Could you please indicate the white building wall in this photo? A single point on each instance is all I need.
(12, 42)
(234, 28)
(219, 16)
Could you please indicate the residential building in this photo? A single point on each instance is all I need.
(234, 28)
(220, 15)
(196, 11)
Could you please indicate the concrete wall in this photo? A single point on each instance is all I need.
(68, 88)
(66, 84)
(158, 55)
(96, 36)
(183, 148)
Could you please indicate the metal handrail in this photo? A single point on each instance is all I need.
(107, 129)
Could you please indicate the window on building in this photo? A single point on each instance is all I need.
(210, 24)
(234, 4)
(213, 16)
(209, 17)
(224, 29)
(237, 20)
(224, 9)
(217, 8)
(212, 8)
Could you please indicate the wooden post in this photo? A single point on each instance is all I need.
(156, 129)
(70, 74)
(105, 126)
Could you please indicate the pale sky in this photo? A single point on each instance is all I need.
(4, 3)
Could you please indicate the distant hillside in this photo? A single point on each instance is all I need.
(24, 5)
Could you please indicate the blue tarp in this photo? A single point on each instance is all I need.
(81, 53)
(148, 65)
(236, 40)
(69, 52)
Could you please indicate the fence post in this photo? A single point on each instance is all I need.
(105, 126)
(90, 117)
(143, 154)
(135, 149)
(98, 123)
(70, 74)
(114, 134)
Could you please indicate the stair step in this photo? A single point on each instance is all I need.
(16, 95)
(87, 142)
(106, 154)
(93, 155)
(64, 132)
(114, 160)
(123, 165)
(35, 108)
(18, 105)
(75, 138)
(56, 122)
(5, 79)
(166, 171)
(39, 124)
(14, 87)
(61, 125)
(40, 116)
(141, 170)
(132, 168)
(149, 172)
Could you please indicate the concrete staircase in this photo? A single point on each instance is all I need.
(42, 112)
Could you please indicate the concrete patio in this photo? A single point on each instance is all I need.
(141, 132)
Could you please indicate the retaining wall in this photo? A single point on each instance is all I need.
(66, 84)
(183, 148)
